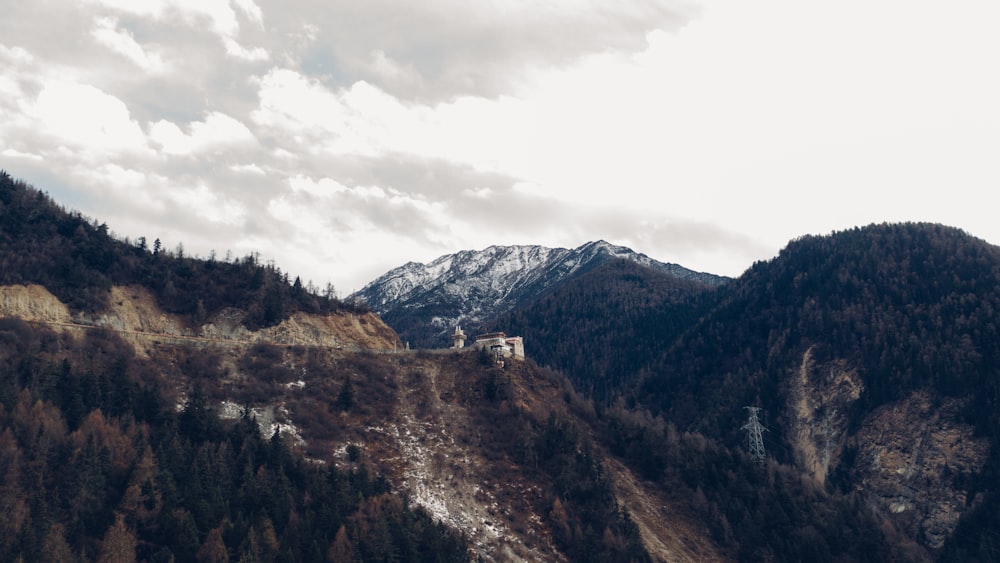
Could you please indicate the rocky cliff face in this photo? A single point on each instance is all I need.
(819, 398)
(910, 459)
(32, 303)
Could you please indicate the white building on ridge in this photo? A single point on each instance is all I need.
(501, 344)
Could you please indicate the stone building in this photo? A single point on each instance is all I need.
(501, 344)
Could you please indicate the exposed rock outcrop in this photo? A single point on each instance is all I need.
(134, 313)
(819, 398)
(910, 456)
(32, 303)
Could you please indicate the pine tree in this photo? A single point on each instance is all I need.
(119, 543)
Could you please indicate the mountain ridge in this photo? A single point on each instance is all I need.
(423, 302)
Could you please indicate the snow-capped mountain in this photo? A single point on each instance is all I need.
(424, 302)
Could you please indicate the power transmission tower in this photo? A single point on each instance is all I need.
(754, 435)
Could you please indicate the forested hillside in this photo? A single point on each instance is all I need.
(910, 307)
(913, 305)
(97, 464)
(824, 339)
(603, 327)
(79, 260)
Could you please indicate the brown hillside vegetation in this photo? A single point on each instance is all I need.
(505, 456)
(470, 443)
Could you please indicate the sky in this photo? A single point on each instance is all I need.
(340, 139)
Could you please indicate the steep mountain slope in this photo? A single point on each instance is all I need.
(505, 458)
(424, 302)
(602, 327)
(874, 354)
(112, 450)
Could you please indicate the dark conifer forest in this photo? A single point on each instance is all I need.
(600, 328)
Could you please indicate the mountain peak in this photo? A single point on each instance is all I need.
(423, 301)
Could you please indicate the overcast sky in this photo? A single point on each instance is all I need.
(343, 138)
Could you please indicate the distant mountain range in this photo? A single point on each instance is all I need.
(425, 302)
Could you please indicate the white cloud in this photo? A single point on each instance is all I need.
(251, 10)
(384, 66)
(122, 41)
(365, 120)
(234, 49)
(251, 168)
(85, 119)
(217, 132)
(319, 120)
(137, 7)
(14, 153)
(15, 55)
(323, 188)
(220, 16)
(207, 204)
(132, 193)
(16, 66)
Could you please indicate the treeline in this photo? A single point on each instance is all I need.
(78, 260)
(97, 465)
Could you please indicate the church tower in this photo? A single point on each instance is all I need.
(458, 339)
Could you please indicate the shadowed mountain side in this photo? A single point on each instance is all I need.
(604, 326)
(830, 338)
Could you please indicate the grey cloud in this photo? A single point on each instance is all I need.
(437, 179)
(672, 234)
(441, 50)
(445, 49)
(515, 214)
(693, 244)
(48, 31)
(509, 211)
(201, 77)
